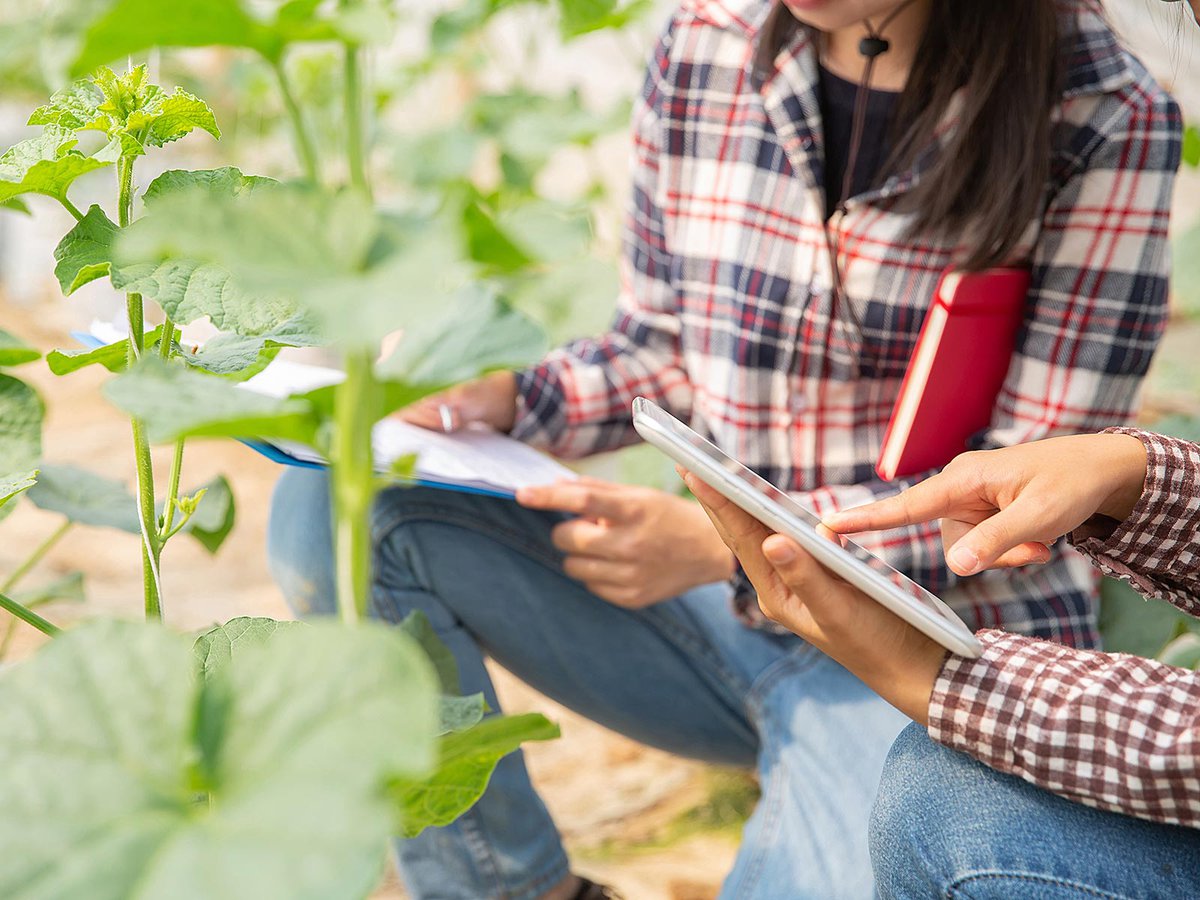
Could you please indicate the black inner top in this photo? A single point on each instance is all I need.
(836, 96)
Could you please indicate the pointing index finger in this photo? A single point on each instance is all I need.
(935, 498)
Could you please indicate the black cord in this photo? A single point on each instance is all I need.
(872, 47)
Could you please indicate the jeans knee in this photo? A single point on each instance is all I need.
(912, 823)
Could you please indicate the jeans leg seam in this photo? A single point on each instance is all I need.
(772, 793)
(488, 869)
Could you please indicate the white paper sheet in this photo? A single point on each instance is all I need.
(476, 457)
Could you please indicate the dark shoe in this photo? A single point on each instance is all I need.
(589, 890)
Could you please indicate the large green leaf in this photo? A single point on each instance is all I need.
(479, 333)
(49, 163)
(188, 290)
(176, 402)
(261, 782)
(75, 108)
(21, 412)
(112, 356)
(214, 648)
(14, 351)
(85, 252)
(238, 356)
(85, 498)
(131, 26)
(362, 275)
(226, 181)
(466, 760)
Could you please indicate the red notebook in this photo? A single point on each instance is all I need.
(956, 371)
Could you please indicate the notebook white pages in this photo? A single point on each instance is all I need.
(475, 459)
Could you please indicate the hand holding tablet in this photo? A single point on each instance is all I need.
(780, 513)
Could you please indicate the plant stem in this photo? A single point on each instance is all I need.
(151, 547)
(353, 484)
(305, 148)
(355, 402)
(355, 145)
(35, 557)
(71, 208)
(29, 617)
(164, 531)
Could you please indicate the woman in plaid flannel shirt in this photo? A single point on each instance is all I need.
(610, 598)
(1091, 779)
(1116, 733)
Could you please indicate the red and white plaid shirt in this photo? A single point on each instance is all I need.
(1108, 730)
(725, 313)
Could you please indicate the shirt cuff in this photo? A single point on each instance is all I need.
(976, 704)
(540, 415)
(1153, 529)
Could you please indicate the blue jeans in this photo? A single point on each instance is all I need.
(683, 675)
(947, 826)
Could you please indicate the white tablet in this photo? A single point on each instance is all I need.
(781, 513)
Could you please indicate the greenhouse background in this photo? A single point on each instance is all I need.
(503, 113)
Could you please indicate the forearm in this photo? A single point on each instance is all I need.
(1110, 731)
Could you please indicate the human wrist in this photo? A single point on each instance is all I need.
(908, 680)
(501, 388)
(1126, 471)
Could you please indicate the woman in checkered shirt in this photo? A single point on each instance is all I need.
(1101, 751)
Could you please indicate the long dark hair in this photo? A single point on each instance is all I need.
(989, 179)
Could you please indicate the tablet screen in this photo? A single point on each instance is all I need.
(787, 502)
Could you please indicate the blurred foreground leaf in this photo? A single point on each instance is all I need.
(175, 402)
(360, 274)
(14, 351)
(479, 333)
(260, 782)
(216, 647)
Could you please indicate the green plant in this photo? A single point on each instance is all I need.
(239, 744)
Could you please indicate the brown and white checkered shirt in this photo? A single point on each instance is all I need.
(1108, 730)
